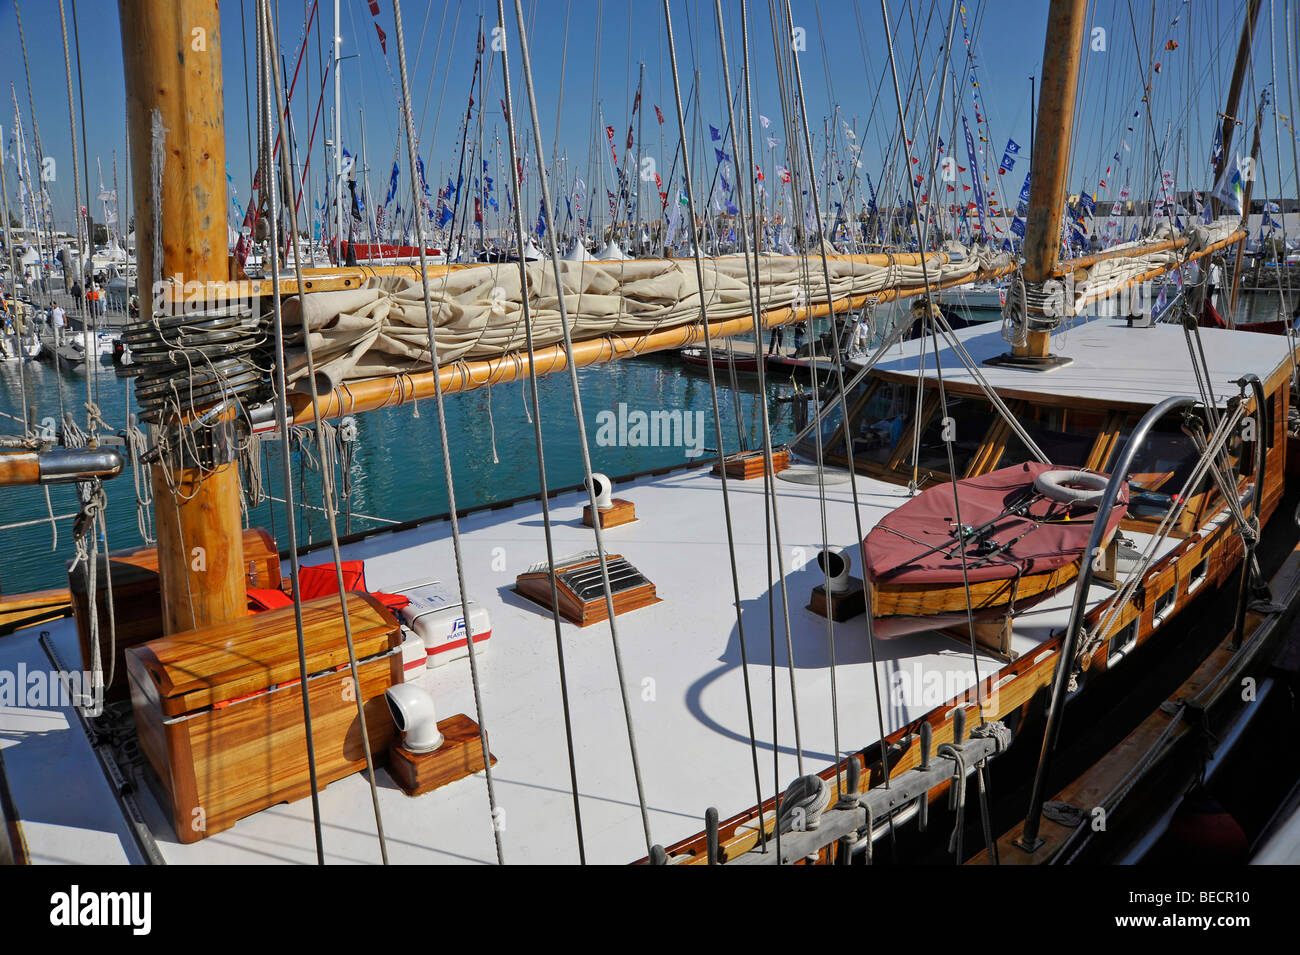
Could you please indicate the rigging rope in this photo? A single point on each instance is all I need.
(264, 49)
(536, 421)
(930, 318)
(582, 431)
(497, 820)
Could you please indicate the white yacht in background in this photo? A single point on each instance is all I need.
(981, 301)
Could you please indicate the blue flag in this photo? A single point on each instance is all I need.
(974, 168)
(392, 185)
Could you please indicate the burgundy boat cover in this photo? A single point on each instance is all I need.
(895, 548)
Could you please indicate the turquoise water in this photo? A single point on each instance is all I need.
(397, 472)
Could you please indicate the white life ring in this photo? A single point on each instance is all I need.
(1071, 487)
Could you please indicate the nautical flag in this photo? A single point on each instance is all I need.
(714, 134)
(722, 156)
(383, 40)
(659, 115)
(783, 173)
(773, 142)
(540, 228)
(374, 8)
(764, 120)
(1230, 189)
(1161, 304)
(1171, 45)
(974, 162)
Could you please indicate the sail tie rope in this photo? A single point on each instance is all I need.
(136, 445)
(956, 795)
(90, 519)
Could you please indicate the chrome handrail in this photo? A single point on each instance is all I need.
(1029, 840)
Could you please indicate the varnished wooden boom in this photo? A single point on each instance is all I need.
(389, 392)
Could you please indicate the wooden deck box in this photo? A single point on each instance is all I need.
(747, 465)
(219, 713)
(137, 599)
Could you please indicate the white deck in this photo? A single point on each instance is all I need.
(691, 730)
(681, 657)
(1137, 366)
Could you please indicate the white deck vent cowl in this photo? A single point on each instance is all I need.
(834, 563)
(603, 488)
(415, 716)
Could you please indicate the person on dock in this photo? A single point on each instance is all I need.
(776, 342)
(58, 319)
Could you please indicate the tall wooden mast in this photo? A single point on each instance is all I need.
(1062, 51)
(172, 56)
(1229, 116)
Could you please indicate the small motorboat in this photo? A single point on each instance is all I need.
(699, 358)
(1023, 531)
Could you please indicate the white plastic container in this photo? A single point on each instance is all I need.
(414, 656)
(435, 616)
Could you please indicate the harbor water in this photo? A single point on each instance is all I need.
(396, 473)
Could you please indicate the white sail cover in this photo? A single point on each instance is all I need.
(380, 329)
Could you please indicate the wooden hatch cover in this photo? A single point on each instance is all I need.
(581, 590)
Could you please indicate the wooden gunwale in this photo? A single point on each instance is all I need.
(1158, 735)
(1017, 682)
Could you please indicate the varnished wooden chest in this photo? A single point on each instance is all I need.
(219, 712)
(137, 599)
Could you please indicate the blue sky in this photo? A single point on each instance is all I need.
(845, 63)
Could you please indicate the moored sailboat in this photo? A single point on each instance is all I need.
(946, 414)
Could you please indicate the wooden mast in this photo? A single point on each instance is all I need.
(1245, 216)
(172, 56)
(1062, 51)
(1234, 95)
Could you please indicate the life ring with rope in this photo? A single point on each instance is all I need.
(1068, 486)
